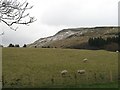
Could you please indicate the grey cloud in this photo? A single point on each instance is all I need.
(77, 13)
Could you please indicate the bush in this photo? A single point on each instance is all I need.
(24, 45)
(17, 45)
(11, 45)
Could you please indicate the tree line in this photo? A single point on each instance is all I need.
(100, 42)
(16, 45)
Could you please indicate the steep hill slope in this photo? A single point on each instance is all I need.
(73, 37)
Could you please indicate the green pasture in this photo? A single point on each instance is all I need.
(41, 68)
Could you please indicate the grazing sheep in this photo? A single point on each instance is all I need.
(85, 60)
(64, 72)
(81, 71)
(117, 51)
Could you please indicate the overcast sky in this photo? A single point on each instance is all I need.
(55, 15)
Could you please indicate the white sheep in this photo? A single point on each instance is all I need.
(64, 72)
(117, 51)
(85, 60)
(81, 71)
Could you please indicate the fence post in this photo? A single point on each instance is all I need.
(3, 83)
(111, 78)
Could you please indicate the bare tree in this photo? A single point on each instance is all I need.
(13, 12)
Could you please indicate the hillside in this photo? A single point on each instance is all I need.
(71, 38)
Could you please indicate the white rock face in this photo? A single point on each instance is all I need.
(59, 36)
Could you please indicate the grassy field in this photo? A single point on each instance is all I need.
(41, 68)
